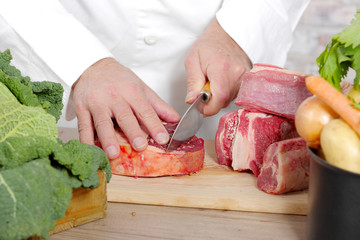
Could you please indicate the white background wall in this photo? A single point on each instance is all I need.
(321, 20)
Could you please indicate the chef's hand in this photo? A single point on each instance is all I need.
(107, 90)
(215, 57)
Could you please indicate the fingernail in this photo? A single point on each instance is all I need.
(162, 138)
(139, 143)
(189, 96)
(112, 152)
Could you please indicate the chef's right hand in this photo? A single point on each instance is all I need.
(107, 90)
(217, 58)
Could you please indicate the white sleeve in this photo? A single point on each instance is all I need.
(262, 28)
(58, 38)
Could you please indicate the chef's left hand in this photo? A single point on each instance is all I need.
(215, 57)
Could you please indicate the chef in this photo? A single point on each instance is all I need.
(137, 62)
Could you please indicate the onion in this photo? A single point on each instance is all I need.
(310, 118)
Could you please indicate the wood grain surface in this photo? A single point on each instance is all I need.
(143, 222)
(214, 187)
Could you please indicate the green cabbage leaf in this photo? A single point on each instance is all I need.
(37, 170)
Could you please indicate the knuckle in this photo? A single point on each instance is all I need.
(80, 106)
(146, 114)
(92, 96)
(133, 88)
(85, 131)
(112, 92)
(226, 63)
(103, 122)
(84, 128)
(238, 70)
(122, 118)
(83, 103)
(192, 83)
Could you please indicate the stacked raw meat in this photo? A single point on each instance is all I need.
(261, 136)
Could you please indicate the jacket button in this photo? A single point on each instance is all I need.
(150, 40)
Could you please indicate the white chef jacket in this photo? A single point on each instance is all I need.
(58, 40)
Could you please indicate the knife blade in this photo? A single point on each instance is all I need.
(191, 121)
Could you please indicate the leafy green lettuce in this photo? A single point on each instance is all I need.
(342, 53)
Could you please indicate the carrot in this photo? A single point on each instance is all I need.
(335, 99)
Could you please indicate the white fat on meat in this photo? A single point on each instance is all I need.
(243, 148)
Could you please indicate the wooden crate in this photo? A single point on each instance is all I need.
(86, 205)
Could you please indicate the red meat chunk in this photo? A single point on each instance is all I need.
(155, 161)
(244, 135)
(273, 90)
(285, 167)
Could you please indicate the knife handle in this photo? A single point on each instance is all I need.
(205, 92)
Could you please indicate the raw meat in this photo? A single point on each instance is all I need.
(273, 90)
(154, 161)
(244, 135)
(224, 137)
(285, 167)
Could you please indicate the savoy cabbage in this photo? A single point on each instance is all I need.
(20, 120)
(37, 170)
(32, 196)
(44, 94)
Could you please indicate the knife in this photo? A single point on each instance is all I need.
(191, 121)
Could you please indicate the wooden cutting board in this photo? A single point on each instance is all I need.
(214, 187)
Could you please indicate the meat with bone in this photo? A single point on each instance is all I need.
(244, 135)
(224, 137)
(273, 90)
(155, 161)
(285, 167)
